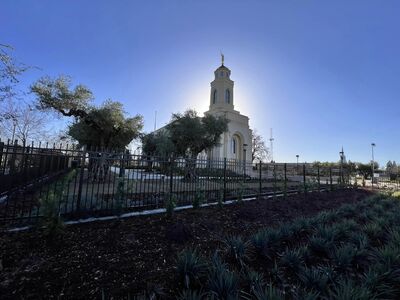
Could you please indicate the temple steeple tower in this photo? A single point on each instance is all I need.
(221, 96)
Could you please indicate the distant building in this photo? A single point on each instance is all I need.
(235, 144)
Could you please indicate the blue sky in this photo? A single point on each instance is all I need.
(321, 74)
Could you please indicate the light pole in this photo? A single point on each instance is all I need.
(341, 153)
(373, 165)
(297, 163)
(244, 159)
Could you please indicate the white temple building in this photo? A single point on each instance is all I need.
(235, 144)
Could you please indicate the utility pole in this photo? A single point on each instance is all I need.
(373, 165)
(271, 140)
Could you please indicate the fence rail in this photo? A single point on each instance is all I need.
(76, 182)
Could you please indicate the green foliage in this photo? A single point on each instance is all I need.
(222, 283)
(104, 126)
(320, 246)
(199, 199)
(348, 290)
(170, 205)
(292, 260)
(220, 199)
(237, 248)
(252, 278)
(120, 195)
(192, 134)
(111, 130)
(50, 205)
(344, 256)
(314, 278)
(190, 268)
(158, 144)
(191, 295)
(269, 292)
(240, 192)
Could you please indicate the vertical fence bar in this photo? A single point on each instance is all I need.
(170, 177)
(330, 178)
(80, 186)
(224, 179)
(319, 179)
(259, 181)
(285, 182)
(304, 179)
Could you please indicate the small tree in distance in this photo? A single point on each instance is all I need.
(259, 151)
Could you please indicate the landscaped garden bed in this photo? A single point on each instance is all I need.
(319, 255)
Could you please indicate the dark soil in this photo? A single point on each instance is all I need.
(121, 257)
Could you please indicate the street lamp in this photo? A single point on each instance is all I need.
(244, 159)
(373, 165)
(341, 153)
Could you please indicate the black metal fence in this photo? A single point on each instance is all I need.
(77, 182)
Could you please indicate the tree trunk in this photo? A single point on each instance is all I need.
(190, 168)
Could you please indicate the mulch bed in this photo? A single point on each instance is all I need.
(121, 257)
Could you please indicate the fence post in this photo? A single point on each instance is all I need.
(330, 178)
(171, 175)
(259, 181)
(285, 183)
(224, 179)
(274, 174)
(319, 179)
(304, 179)
(83, 158)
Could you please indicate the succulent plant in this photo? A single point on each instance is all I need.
(190, 267)
(237, 248)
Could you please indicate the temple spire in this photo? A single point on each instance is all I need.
(222, 58)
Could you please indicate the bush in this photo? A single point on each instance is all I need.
(198, 199)
(269, 292)
(237, 248)
(292, 260)
(190, 267)
(222, 283)
(170, 205)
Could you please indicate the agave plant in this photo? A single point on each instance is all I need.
(314, 278)
(392, 235)
(268, 292)
(388, 255)
(191, 295)
(190, 267)
(292, 260)
(344, 256)
(223, 284)
(265, 242)
(374, 231)
(327, 217)
(301, 224)
(252, 278)
(348, 290)
(237, 248)
(328, 233)
(378, 282)
(359, 239)
(320, 246)
(347, 211)
(284, 232)
(307, 295)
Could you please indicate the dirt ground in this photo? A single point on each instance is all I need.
(121, 257)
